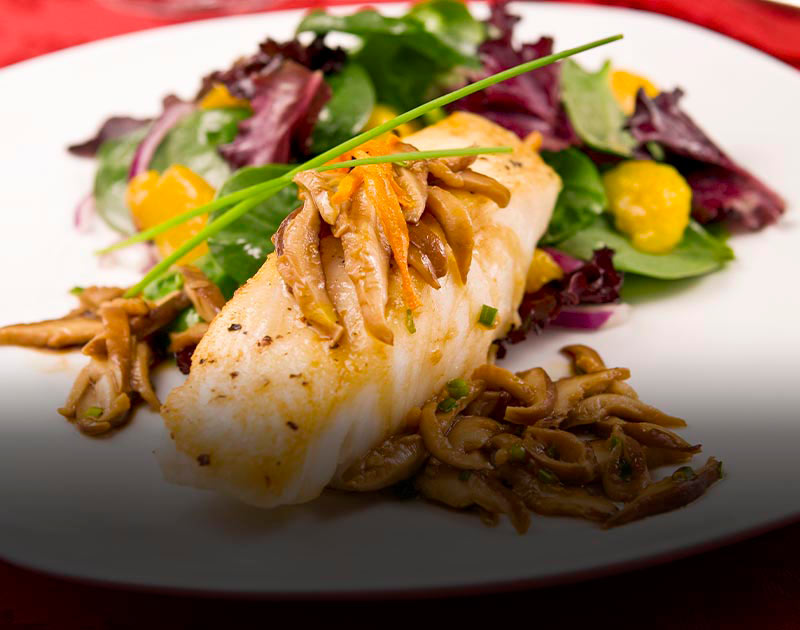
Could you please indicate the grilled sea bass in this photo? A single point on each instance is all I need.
(314, 362)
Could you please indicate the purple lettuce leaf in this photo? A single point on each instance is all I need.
(240, 78)
(721, 189)
(529, 102)
(114, 127)
(286, 101)
(592, 282)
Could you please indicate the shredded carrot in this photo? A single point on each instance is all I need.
(380, 191)
(347, 187)
(386, 196)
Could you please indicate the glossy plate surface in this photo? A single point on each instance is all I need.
(720, 351)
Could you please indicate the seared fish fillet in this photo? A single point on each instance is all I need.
(270, 412)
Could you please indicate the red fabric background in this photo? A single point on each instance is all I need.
(33, 27)
(752, 584)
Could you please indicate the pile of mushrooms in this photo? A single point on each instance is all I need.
(505, 443)
(118, 335)
(334, 255)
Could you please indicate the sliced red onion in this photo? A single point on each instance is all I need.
(592, 317)
(84, 213)
(565, 261)
(174, 112)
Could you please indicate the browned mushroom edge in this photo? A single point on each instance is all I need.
(124, 339)
(508, 444)
(337, 204)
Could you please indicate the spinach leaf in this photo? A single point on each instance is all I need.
(582, 198)
(698, 253)
(452, 23)
(443, 30)
(412, 78)
(593, 110)
(114, 159)
(172, 280)
(348, 110)
(242, 247)
(193, 143)
(405, 56)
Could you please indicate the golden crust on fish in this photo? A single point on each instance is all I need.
(271, 412)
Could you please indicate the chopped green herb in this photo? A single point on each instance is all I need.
(93, 412)
(656, 150)
(518, 453)
(625, 469)
(412, 328)
(551, 452)
(719, 470)
(458, 388)
(613, 442)
(464, 475)
(448, 404)
(76, 290)
(488, 316)
(546, 476)
(684, 473)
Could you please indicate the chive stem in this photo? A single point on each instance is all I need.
(414, 155)
(222, 202)
(265, 190)
(212, 228)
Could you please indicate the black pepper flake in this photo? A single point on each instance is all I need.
(233, 327)
(265, 341)
(184, 359)
(304, 383)
(234, 374)
(204, 459)
(295, 375)
(517, 163)
(202, 361)
(292, 425)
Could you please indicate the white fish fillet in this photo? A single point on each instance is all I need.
(273, 413)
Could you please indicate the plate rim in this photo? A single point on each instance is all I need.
(400, 593)
(431, 592)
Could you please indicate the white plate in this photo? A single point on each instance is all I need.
(721, 351)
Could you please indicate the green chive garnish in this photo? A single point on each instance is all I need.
(458, 388)
(248, 198)
(434, 116)
(411, 156)
(546, 476)
(613, 441)
(464, 475)
(76, 290)
(488, 316)
(412, 328)
(551, 452)
(448, 404)
(683, 473)
(518, 453)
(93, 412)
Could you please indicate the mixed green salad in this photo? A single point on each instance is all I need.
(645, 191)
